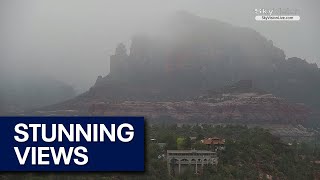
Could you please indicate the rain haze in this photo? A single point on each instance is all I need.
(159, 89)
(71, 41)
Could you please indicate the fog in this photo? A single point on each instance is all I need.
(71, 41)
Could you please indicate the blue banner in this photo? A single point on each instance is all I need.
(71, 144)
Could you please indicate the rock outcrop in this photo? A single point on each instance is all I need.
(233, 108)
(238, 103)
(197, 54)
(164, 76)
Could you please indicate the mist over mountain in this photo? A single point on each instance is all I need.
(202, 70)
(197, 54)
(20, 93)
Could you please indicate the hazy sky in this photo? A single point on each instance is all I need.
(71, 40)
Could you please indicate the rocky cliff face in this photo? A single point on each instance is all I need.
(238, 103)
(198, 54)
(249, 108)
(163, 76)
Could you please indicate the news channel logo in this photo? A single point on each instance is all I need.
(74, 143)
(276, 14)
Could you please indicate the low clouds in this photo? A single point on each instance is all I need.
(71, 40)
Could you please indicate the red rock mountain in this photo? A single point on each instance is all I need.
(164, 76)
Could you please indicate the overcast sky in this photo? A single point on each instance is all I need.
(71, 40)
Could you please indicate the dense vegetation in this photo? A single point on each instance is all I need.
(250, 154)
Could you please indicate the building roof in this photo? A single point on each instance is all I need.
(214, 141)
(189, 151)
